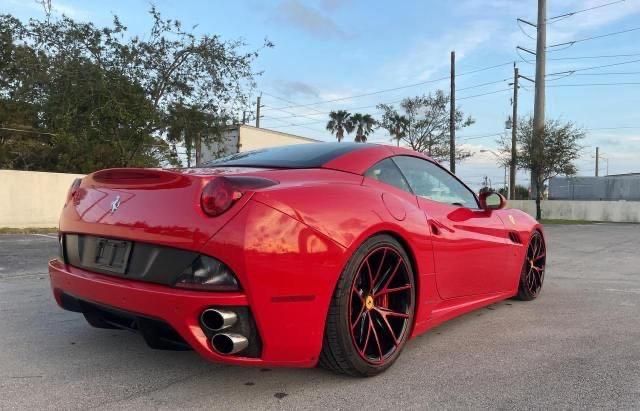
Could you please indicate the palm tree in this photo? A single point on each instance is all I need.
(364, 124)
(340, 122)
(398, 127)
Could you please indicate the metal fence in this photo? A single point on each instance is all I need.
(607, 188)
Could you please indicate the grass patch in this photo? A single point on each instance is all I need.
(32, 230)
(565, 222)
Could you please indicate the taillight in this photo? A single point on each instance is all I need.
(73, 189)
(222, 192)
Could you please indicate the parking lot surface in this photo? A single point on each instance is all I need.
(576, 346)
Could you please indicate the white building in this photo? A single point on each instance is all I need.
(242, 137)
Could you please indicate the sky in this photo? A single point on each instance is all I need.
(336, 49)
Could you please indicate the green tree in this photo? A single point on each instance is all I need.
(339, 123)
(522, 192)
(427, 128)
(191, 125)
(84, 97)
(560, 149)
(397, 125)
(363, 124)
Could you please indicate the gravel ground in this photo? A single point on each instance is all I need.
(577, 346)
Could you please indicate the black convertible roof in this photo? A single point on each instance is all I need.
(312, 155)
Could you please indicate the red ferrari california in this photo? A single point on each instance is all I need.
(330, 253)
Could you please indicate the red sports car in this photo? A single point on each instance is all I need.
(329, 253)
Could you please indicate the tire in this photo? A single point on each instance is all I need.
(532, 273)
(371, 313)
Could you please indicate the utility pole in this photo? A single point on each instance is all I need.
(597, 160)
(539, 103)
(452, 116)
(258, 106)
(198, 147)
(514, 134)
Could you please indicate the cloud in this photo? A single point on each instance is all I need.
(308, 20)
(507, 6)
(620, 141)
(296, 88)
(331, 5)
(431, 54)
(70, 11)
(57, 8)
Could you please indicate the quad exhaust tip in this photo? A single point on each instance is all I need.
(228, 344)
(217, 320)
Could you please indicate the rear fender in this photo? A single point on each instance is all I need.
(349, 214)
(288, 272)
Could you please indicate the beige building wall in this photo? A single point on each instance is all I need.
(31, 198)
(252, 138)
(243, 138)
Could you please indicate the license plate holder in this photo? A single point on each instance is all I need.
(112, 255)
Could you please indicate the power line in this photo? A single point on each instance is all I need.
(500, 133)
(613, 73)
(284, 99)
(483, 94)
(579, 57)
(572, 42)
(482, 136)
(621, 63)
(390, 102)
(614, 128)
(483, 84)
(291, 113)
(573, 13)
(595, 57)
(562, 75)
(595, 84)
(287, 124)
(585, 57)
(523, 31)
(395, 88)
(299, 124)
(555, 50)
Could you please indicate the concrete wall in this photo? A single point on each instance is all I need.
(614, 211)
(32, 199)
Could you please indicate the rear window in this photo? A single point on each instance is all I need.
(312, 155)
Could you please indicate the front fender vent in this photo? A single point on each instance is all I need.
(515, 237)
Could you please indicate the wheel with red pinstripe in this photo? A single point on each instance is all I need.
(532, 274)
(372, 310)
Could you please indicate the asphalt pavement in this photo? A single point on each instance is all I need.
(576, 346)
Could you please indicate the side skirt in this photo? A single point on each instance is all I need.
(448, 309)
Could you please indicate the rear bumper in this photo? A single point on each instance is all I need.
(180, 309)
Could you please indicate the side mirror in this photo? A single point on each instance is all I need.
(490, 200)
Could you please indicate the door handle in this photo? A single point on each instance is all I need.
(434, 229)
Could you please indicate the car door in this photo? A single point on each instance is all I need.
(469, 244)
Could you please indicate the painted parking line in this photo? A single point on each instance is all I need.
(46, 235)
